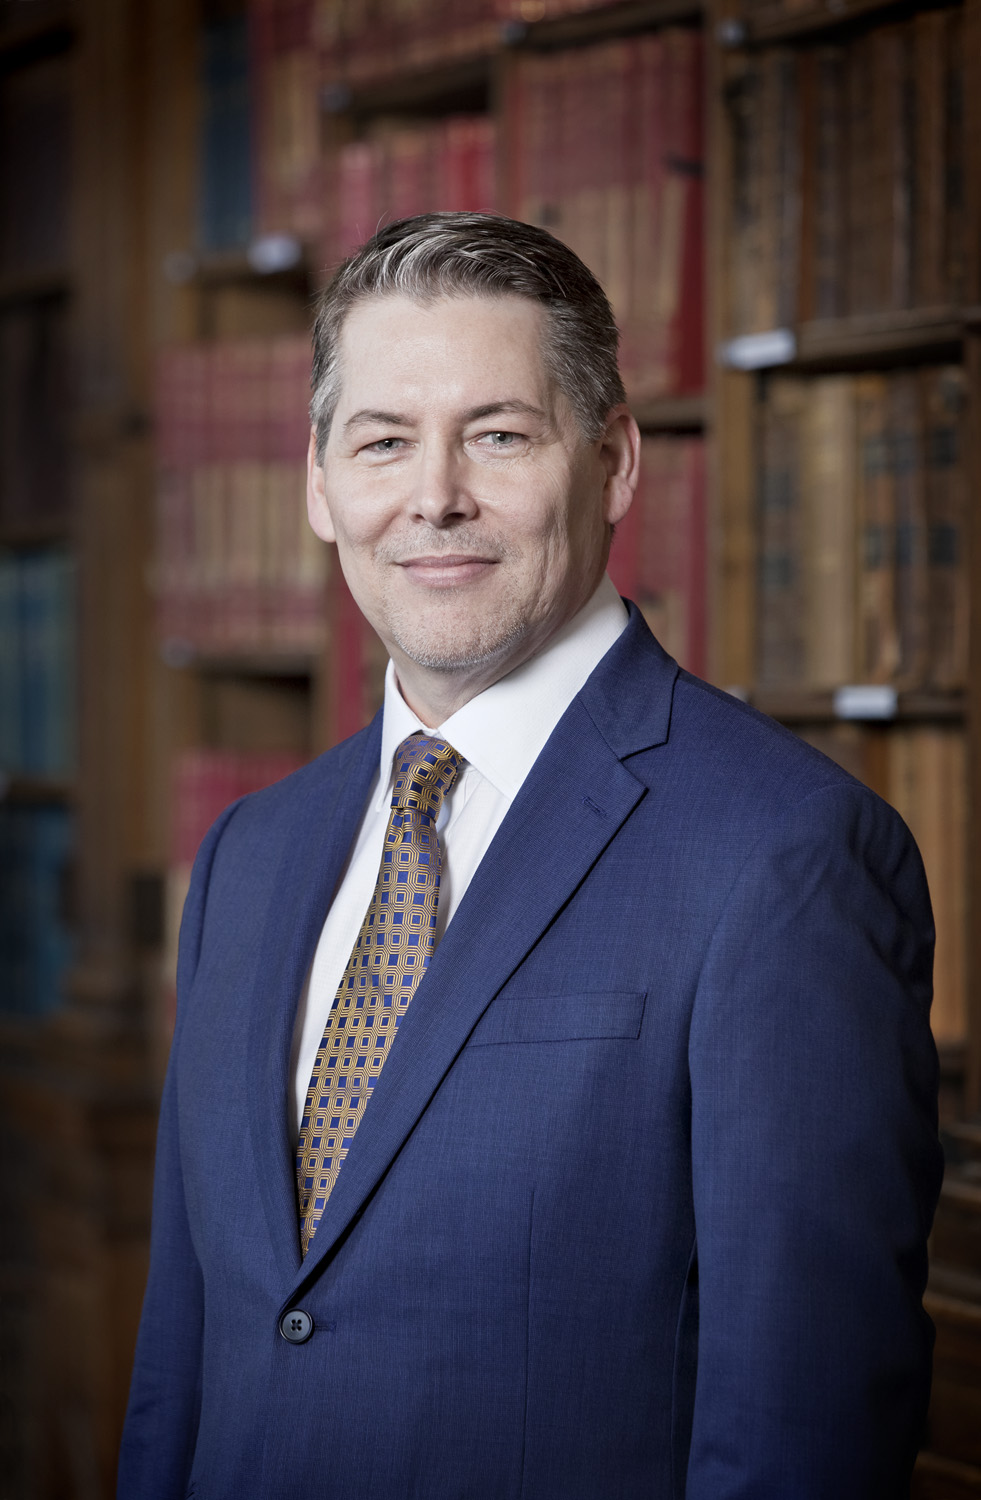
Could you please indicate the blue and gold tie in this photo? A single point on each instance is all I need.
(387, 962)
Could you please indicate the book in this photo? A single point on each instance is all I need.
(225, 198)
(847, 183)
(605, 150)
(659, 553)
(862, 516)
(829, 540)
(944, 398)
(37, 663)
(405, 169)
(237, 569)
(286, 64)
(878, 655)
(36, 947)
(781, 588)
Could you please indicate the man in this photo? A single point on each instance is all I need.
(629, 1194)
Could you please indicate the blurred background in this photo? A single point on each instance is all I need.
(781, 198)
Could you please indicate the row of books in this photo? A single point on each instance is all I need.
(658, 558)
(35, 942)
(848, 175)
(605, 148)
(369, 39)
(862, 520)
(37, 663)
(404, 169)
(237, 567)
(34, 467)
(922, 770)
(301, 50)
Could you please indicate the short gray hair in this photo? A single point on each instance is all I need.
(481, 255)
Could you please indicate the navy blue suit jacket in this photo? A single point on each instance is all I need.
(640, 1204)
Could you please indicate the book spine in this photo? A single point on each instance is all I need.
(944, 398)
(878, 638)
(828, 501)
(781, 643)
(912, 580)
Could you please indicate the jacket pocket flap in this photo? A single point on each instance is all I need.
(561, 1018)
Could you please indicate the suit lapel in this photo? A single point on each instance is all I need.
(569, 808)
(314, 849)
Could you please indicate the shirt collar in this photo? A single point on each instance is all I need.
(503, 730)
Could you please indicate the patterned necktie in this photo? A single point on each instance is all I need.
(387, 962)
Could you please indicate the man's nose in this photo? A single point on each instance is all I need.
(442, 493)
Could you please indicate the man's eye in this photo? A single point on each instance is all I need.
(384, 445)
(499, 439)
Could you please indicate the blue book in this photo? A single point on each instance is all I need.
(225, 164)
(11, 748)
(35, 942)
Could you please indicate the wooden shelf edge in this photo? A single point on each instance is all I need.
(215, 269)
(911, 331)
(774, 24)
(51, 531)
(609, 21)
(33, 40)
(252, 664)
(818, 707)
(672, 413)
(427, 84)
(414, 89)
(35, 791)
(34, 286)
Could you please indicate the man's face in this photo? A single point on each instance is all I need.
(470, 514)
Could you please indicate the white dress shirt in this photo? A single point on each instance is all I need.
(500, 734)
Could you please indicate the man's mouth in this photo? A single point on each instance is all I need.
(446, 569)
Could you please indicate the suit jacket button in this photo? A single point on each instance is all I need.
(296, 1325)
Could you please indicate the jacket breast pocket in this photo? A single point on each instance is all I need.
(590, 1016)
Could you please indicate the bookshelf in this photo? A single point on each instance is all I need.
(844, 276)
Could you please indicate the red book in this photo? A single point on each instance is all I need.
(659, 553)
(286, 111)
(686, 160)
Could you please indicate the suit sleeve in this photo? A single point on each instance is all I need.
(816, 1166)
(165, 1391)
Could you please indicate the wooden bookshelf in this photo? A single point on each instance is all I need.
(880, 347)
(139, 283)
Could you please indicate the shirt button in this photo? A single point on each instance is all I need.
(296, 1325)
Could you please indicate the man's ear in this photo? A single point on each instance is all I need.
(620, 451)
(317, 511)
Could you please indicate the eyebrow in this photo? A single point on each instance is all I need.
(384, 418)
(368, 416)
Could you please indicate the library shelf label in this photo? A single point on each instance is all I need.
(866, 700)
(759, 351)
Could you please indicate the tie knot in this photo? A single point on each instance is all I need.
(425, 769)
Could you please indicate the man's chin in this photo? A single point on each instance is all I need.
(467, 651)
